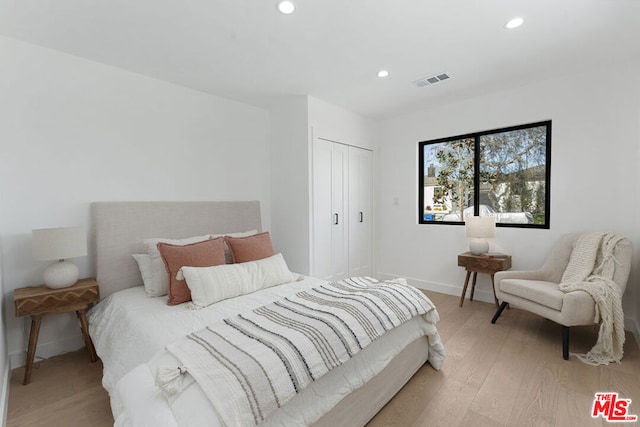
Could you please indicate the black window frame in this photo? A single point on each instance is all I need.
(476, 186)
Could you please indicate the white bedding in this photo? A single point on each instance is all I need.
(130, 331)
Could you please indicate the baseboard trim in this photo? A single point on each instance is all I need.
(4, 391)
(631, 325)
(47, 350)
(481, 294)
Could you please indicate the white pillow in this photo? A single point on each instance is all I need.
(213, 284)
(144, 264)
(159, 283)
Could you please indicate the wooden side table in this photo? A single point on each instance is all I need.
(481, 264)
(40, 301)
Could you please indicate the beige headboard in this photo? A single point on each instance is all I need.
(120, 227)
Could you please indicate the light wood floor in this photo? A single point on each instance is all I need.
(508, 374)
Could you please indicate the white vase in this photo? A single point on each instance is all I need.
(61, 274)
(478, 246)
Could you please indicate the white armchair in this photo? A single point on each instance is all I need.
(537, 290)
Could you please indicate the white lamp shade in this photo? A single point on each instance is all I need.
(480, 226)
(58, 243)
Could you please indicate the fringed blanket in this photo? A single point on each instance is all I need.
(591, 268)
(253, 363)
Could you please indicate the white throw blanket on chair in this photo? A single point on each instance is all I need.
(591, 269)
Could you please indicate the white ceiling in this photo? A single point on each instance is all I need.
(332, 49)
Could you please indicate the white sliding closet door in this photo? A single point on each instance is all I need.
(342, 210)
(330, 231)
(360, 212)
(340, 229)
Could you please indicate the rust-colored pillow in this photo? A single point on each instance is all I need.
(201, 254)
(251, 248)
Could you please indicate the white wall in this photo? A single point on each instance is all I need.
(5, 367)
(635, 286)
(289, 150)
(74, 131)
(595, 130)
(337, 124)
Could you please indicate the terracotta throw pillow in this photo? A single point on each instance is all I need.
(252, 248)
(201, 254)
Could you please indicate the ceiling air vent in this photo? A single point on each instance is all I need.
(436, 78)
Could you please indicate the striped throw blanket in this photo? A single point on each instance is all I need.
(253, 363)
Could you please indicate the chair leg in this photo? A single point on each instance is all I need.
(499, 311)
(565, 342)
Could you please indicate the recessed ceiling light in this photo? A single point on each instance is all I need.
(383, 73)
(287, 7)
(513, 23)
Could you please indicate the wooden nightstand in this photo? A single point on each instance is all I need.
(40, 301)
(481, 264)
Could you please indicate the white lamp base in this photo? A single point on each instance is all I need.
(478, 246)
(61, 274)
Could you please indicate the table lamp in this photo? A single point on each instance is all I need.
(479, 228)
(59, 244)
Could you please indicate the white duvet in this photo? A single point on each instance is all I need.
(130, 331)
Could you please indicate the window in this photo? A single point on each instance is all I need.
(502, 172)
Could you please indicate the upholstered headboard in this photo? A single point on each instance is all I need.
(120, 227)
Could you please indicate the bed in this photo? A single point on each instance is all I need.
(131, 331)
